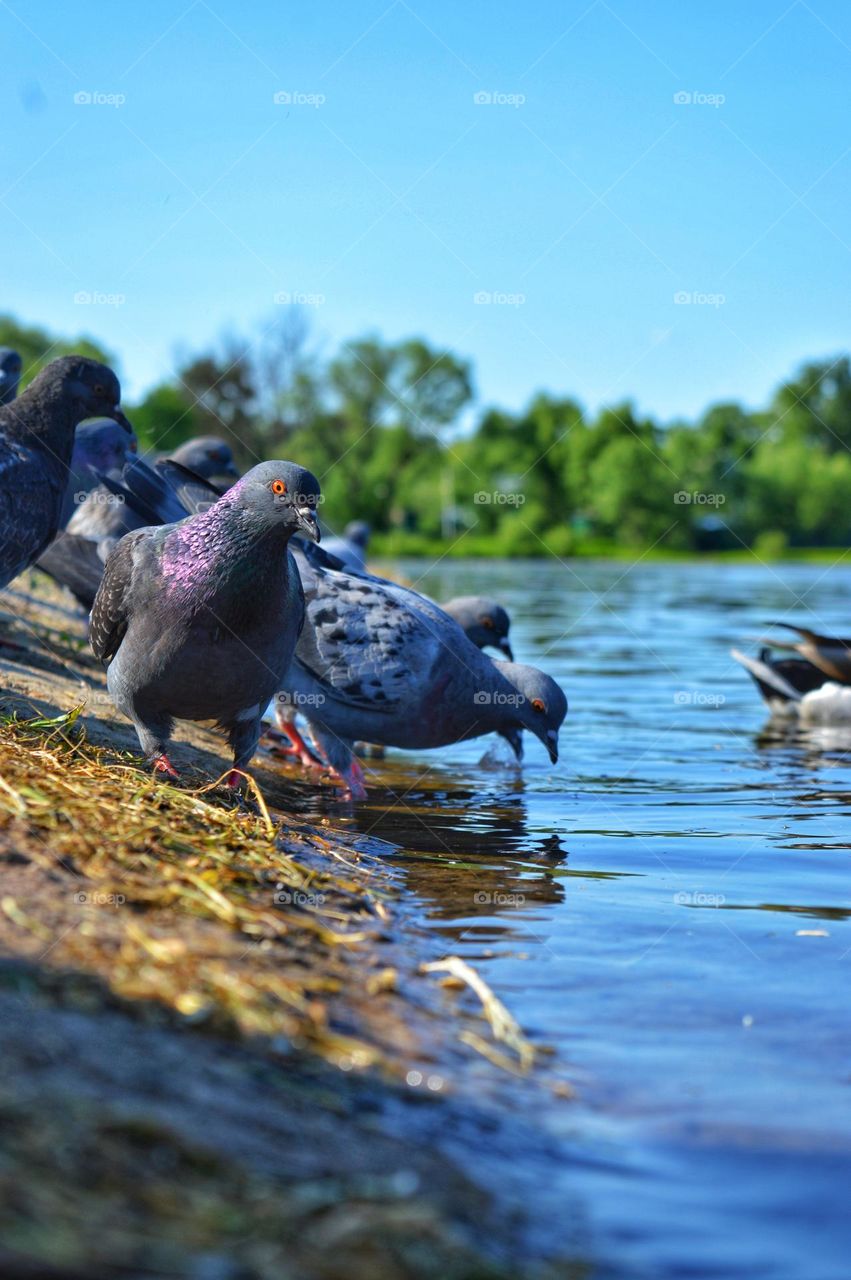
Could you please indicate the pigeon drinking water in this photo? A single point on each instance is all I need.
(380, 663)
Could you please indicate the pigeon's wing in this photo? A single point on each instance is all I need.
(192, 491)
(113, 602)
(76, 563)
(24, 491)
(364, 643)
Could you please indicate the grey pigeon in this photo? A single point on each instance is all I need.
(350, 550)
(199, 620)
(483, 621)
(100, 446)
(36, 442)
(378, 662)
(10, 374)
(210, 458)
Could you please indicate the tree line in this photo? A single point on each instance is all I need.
(392, 433)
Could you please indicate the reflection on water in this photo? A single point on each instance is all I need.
(668, 907)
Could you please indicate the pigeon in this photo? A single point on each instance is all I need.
(380, 663)
(199, 620)
(208, 457)
(350, 550)
(100, 446)
(10, 374)
(483, 621)
(36, 442)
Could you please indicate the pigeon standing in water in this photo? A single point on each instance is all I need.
(10, 374)
(210, 458)
(483, 621)
(379, 663)
(199, 620)
(36, 441)
(350, 550)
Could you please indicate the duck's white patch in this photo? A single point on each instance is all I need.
(831, 704)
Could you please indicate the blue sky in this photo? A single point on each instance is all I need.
(386, 194)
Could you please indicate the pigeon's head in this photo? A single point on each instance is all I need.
(279, 495)
(539, 707)
(102, 444)
(358, 532)
(92, 389)
(484, 621)
(210, 458)
(10, 374)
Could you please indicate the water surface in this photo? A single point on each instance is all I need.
(668, 907)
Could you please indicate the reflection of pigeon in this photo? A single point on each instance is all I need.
(210, 458)
(10, 374)
(379, 663)
(483, 621)
(36, 440)
(199, 620)
(100, 446)
(350, 550)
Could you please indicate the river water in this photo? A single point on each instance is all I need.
(667, 907)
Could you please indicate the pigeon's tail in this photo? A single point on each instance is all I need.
(773, 686)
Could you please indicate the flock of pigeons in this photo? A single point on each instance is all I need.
(211, 599)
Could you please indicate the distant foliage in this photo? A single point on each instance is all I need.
(388, 429)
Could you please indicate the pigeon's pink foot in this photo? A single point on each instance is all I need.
(297, 746)
(236, 779)
(162, 764)
(353, 780)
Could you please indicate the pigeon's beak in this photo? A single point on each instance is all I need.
(307, 522)
(117, 414)
(505, 648)
(514, 738)
(552, 745)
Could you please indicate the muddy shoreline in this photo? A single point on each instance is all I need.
(221, 1057)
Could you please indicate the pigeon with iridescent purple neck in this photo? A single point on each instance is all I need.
(199, 620)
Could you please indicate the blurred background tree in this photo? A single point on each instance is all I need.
(389, 429)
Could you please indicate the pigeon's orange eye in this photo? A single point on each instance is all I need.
(538, 705)
(278, 487)
(488, 622)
